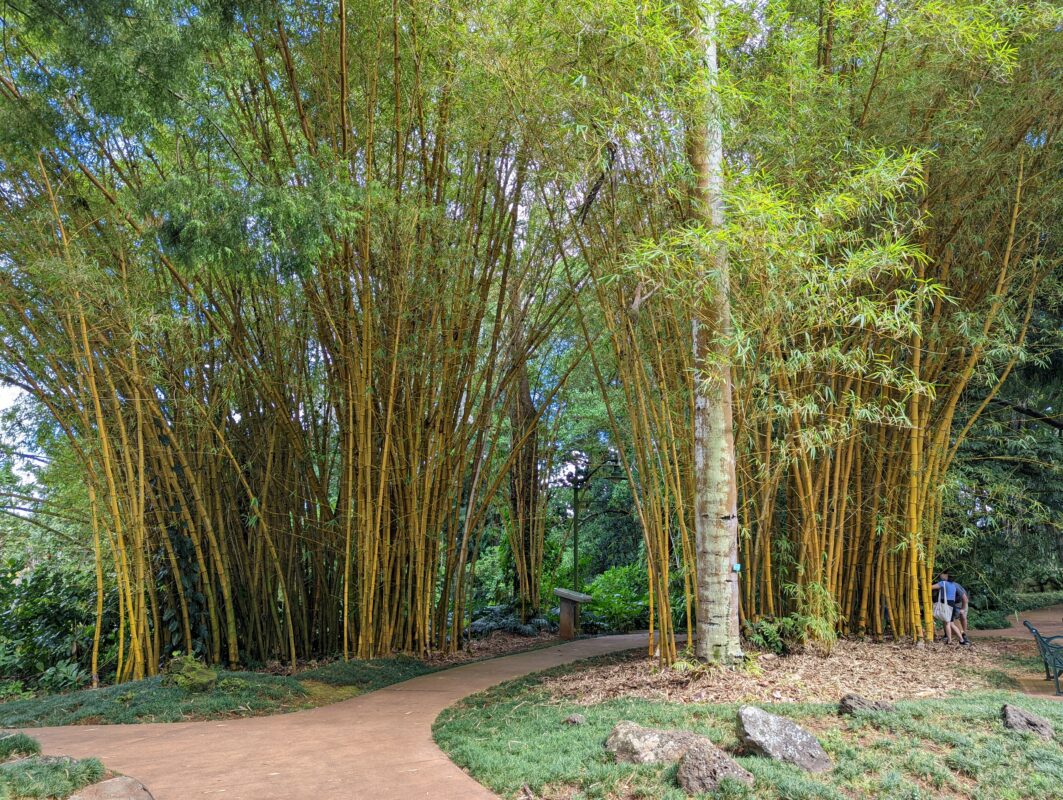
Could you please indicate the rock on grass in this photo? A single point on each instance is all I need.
(638, 745)
(854, 703)
(781, 740)
(704, 767)
(1018, 719)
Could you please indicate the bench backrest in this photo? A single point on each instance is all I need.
(1051, 647)
(1053, 654)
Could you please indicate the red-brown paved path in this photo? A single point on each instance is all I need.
(1049, 621)
(374, 747)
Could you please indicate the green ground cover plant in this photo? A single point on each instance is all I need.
(997, 618)
(43, 777)
(513, 735)
(26, 774)
(148, 700)
(18, 744)
(236, 694)
(368, 675)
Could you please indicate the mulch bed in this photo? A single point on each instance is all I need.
(877, 671)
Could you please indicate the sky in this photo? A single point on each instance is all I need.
(8, 395)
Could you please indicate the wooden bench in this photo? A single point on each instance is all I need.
(1051, 649)
(570, 603)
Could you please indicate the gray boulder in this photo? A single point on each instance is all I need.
(704, 766)
(638, 745)
(781, 740)
(120, 788)
(1017, 719)
(854, 703)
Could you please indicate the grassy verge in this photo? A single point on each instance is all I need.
(1030, 601)
(514, 735)
(368, 675)
(998, 618)
(238, 694)
(30, 775)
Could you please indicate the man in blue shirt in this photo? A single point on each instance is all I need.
(955, 596)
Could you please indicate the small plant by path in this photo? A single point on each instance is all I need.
(514, 736)
(25, 774)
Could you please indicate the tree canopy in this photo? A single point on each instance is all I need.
(313, 303)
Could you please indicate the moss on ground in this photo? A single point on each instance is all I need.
(956, 747)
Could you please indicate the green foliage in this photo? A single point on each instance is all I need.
(815, 626)
(47, 618)
(13, 690)
(1011, 607)
(990, 620)
(513, 735)
(236, 694)
(789, 634)
(1041, 578)
(18, 744)
(63, 676)
(620, 598)
(1002, 530)
(1029, 601)
(47, 777)
(368, 675)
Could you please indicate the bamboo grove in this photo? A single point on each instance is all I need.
(304, 285)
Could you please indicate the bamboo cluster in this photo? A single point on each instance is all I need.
(289, 394)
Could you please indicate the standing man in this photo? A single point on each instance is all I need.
(956, 596)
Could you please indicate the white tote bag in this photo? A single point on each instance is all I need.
(942, 609)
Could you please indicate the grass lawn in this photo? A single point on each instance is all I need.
(29, 775)
(238, 694)
(955, 747)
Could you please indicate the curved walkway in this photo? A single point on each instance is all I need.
(1049, 621)
(378, 746)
